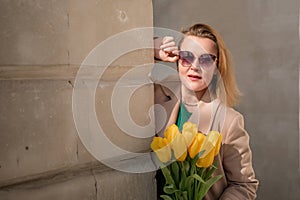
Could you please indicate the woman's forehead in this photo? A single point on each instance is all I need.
(198, 45)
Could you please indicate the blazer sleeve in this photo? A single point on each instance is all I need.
(237, 163)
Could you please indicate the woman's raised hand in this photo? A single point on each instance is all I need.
(165, 49)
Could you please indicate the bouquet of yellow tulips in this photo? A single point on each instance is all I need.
(186, 161)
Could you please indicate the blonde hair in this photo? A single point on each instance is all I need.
(224, 64)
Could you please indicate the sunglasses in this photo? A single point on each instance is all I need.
(205, 60)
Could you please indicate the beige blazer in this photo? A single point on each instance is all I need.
(234, 158)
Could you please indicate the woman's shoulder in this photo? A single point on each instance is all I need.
(226, 112)
(232, 113)
(232, 119)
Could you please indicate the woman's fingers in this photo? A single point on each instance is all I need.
(167, 39)
(167, 51)
(175, 52)
(170, 49)
(168, 44)
(172, 59)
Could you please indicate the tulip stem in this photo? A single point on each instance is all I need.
(183, 168)
(196, 190)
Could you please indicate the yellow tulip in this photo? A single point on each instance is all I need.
(171, 132)
(211, 146)
(177, 141)
(210, 143)
(196, 145)
(162, 149)
(218, 145)
(189, 130)
(207, 160)
(179, 147)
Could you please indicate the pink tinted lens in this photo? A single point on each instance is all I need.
(186, 57)
(206, 60)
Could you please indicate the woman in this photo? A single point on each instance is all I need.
(208, 92)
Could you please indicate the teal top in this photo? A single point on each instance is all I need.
(183, 116)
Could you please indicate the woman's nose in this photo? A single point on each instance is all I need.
(195, 65)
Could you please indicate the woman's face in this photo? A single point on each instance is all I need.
(197, 62)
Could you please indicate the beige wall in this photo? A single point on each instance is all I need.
(43, 44)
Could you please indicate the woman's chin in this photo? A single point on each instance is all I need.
(197, 87)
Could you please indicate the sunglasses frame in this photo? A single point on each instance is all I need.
(212, 59)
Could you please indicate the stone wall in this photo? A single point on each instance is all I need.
(43, 44)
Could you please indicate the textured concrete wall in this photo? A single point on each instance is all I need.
(43, 43)
(89, 185)
(263, 37)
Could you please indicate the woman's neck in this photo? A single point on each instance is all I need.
(190, 97)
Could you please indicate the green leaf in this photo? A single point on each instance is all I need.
(170, 189)
(208, 184)
(198, 178)
(186, 166)
(185, 195)
(210, 172)
(193, 185)
(165, 197)
(201, 171)
(175, 173)
(194, 160)
(190, 181)
(193, 170)
(190, 186)
(182, 184)
(167, 175)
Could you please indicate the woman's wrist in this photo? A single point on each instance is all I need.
(157, 43)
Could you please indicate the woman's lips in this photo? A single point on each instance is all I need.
(194, 77)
